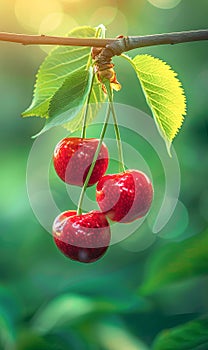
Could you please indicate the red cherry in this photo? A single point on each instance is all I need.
(84, 237)
(73, 157)
(124, 197)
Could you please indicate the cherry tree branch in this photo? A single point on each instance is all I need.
(52, 40)
(117, 46)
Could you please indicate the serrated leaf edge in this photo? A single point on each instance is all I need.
(157, 120)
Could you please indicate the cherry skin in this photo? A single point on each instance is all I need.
(73, 157)
(84, 237)
(126, 196)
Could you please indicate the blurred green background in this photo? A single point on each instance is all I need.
(49, 302)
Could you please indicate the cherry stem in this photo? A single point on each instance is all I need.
(117, 132)
(84, 125)
(89, 64)
(79, 208)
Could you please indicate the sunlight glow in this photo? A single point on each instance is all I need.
(30, 14)
(111, 17)
(56, 23)
(104, 14)
(165, 4)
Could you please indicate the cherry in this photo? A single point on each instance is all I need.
(73, 157)
(126, 196)
(84, 237)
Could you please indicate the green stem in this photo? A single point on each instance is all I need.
(79, 209)
(89, 64)
(84, 124)
(117, 132)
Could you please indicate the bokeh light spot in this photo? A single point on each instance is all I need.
(50, 23)
(177, 224)
(104, 15)
(142, 239)
(30, 14)
(56, 23)
(70, 1)
(164, 4)
(111, 17)
(119, 26)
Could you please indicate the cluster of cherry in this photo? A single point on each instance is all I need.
(122, 197)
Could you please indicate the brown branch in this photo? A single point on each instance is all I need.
(53, 40)
(167, 38)
(117, 45)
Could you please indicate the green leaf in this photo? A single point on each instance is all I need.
(66, 308)
(10, 311)
(175, 262)
(97, 97)
(28, 340)
(117, 337)
(55, 69)
(7, 333)
(186, 337)
(70, 308)
(163, 92)
(72, 93)
(68, 101)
